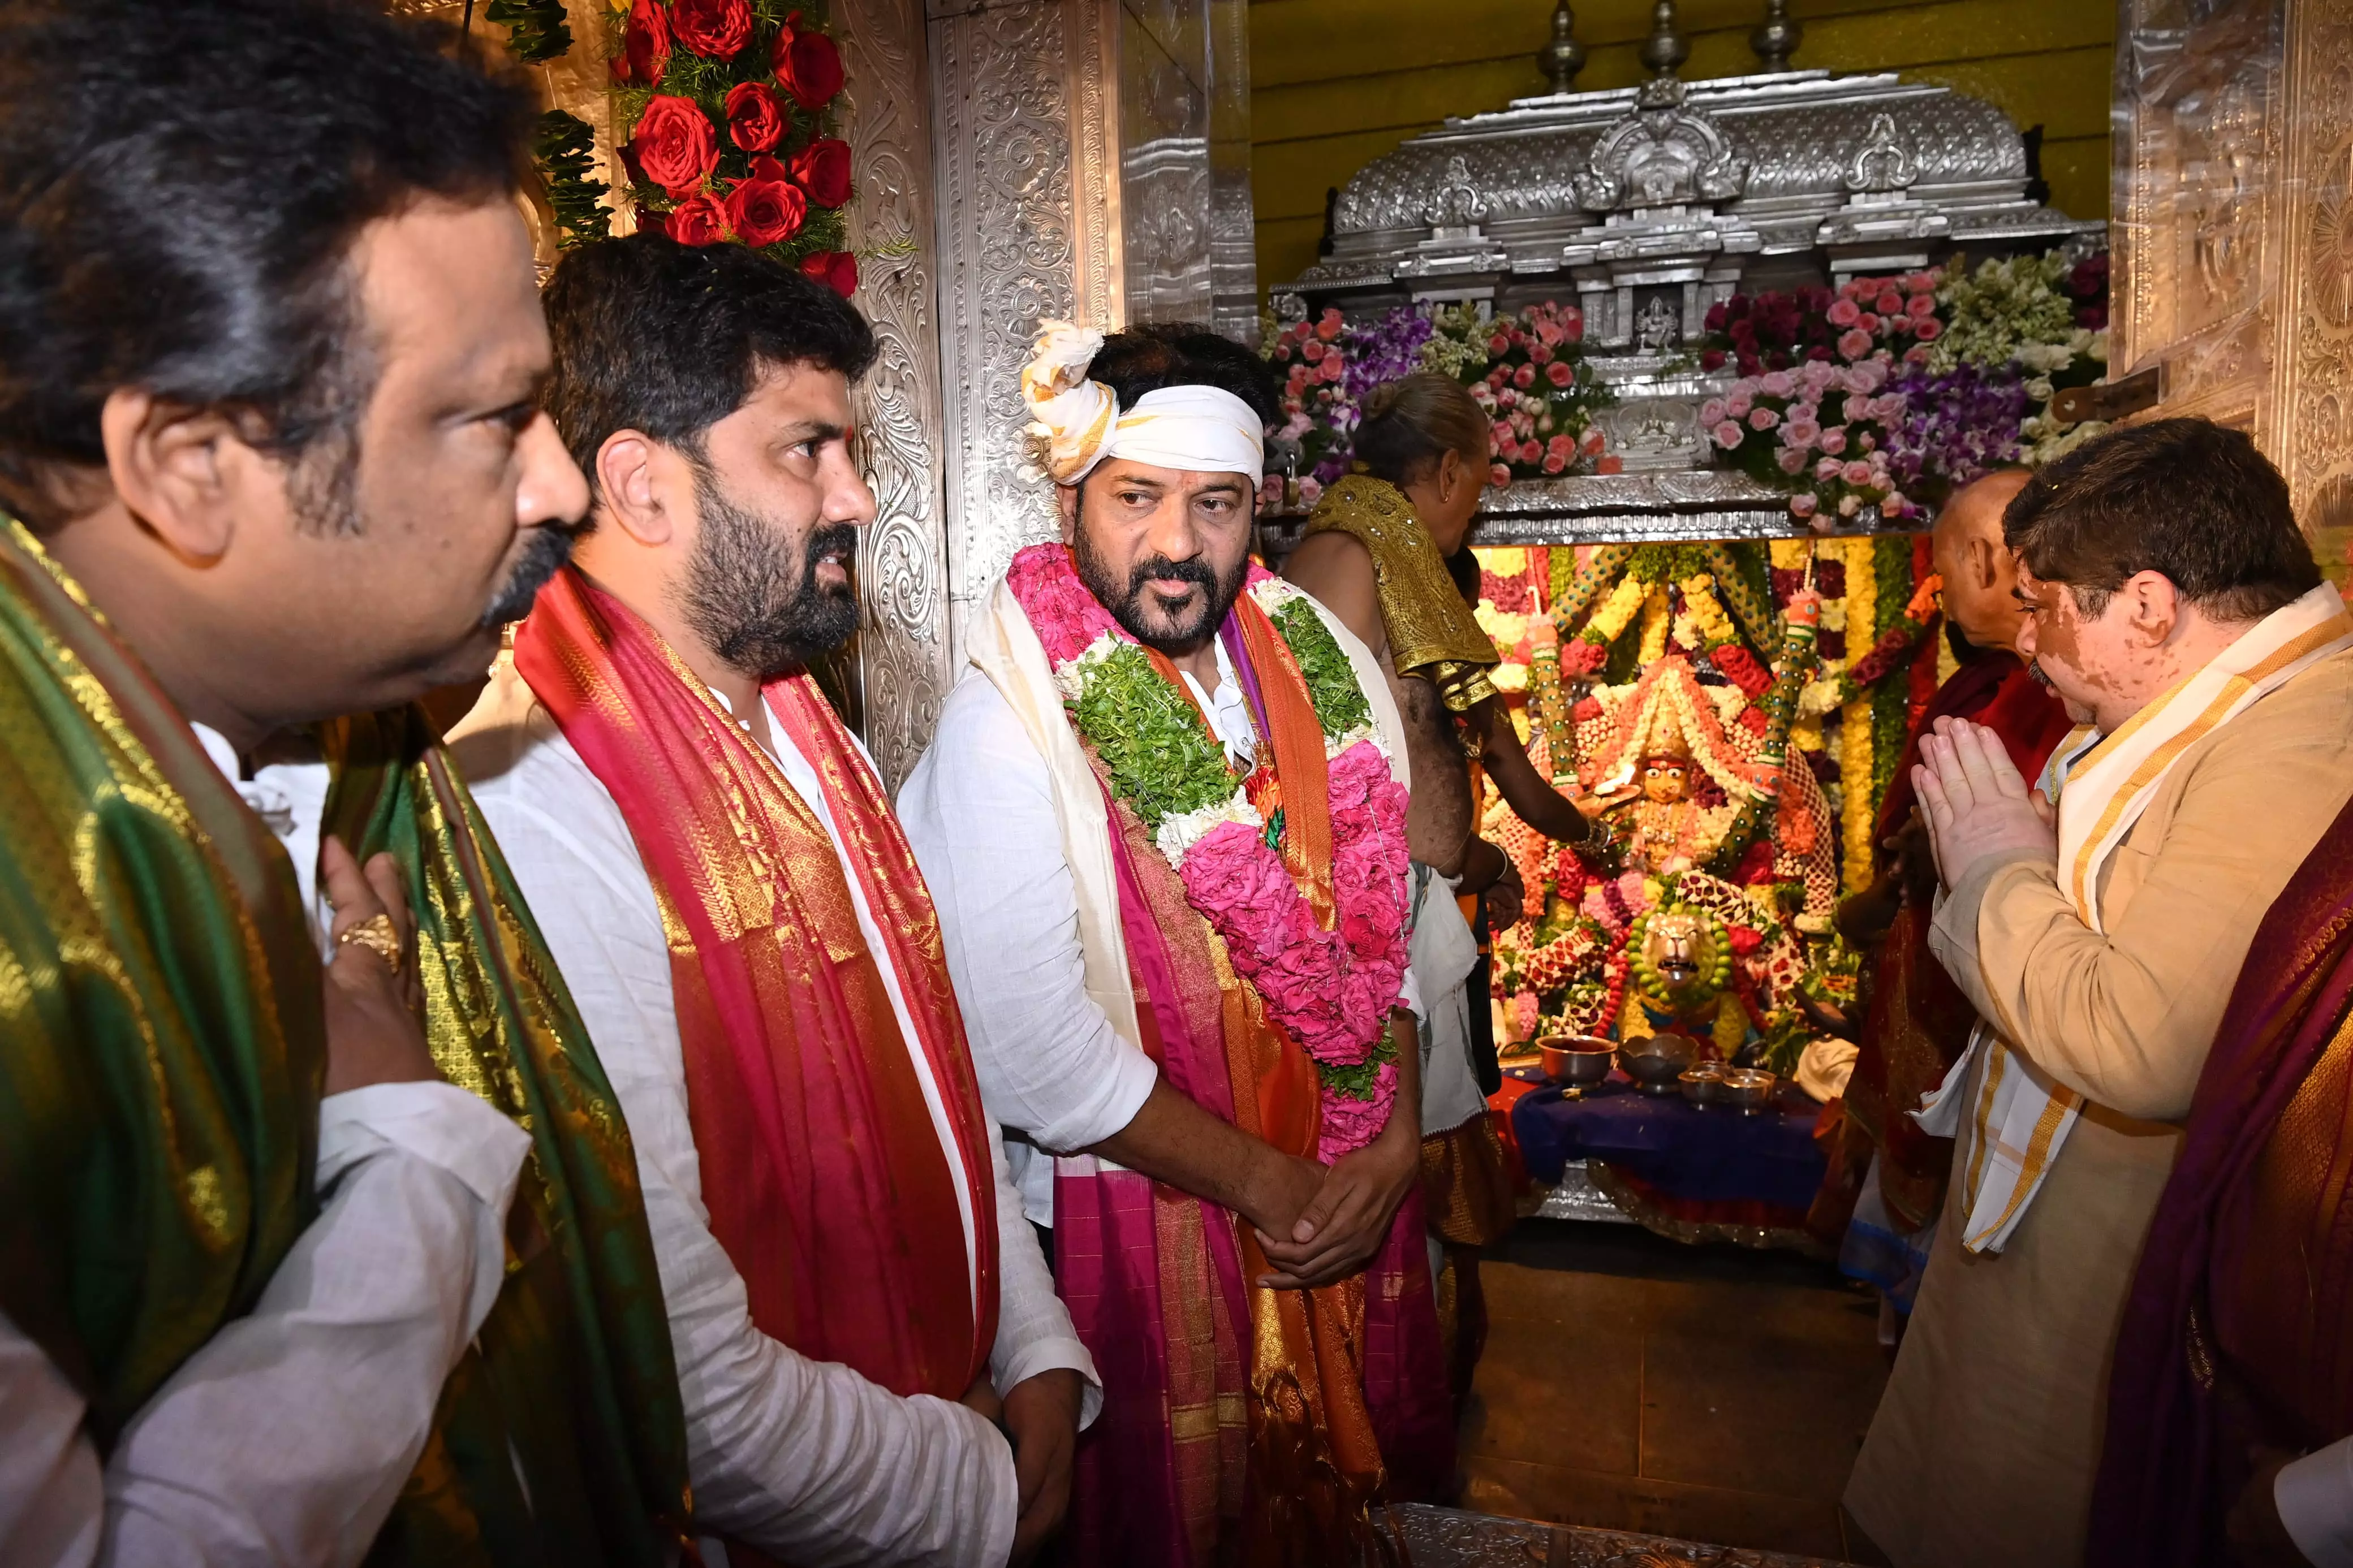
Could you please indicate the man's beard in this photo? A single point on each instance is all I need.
(543, 555)
(1125, 601)
(757, 608)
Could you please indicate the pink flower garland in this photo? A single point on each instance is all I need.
(1331, 990)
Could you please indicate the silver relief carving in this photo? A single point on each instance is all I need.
(902, 646)
(1011, 255)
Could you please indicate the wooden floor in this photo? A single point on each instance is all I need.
(1709, 1394)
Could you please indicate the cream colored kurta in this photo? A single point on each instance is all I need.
(1985, 1447)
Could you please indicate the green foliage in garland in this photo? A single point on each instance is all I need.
(565, 147)
(1744, 582)
(1891, 698)
(1668, 562)
(536, 29)
(1331, 679)
(1162, 761)
(1357, 1082)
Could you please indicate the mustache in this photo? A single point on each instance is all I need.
(543, 555)
(1194, 571)
(831, 539)
(2035, 673)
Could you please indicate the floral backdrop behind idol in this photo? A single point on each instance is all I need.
(725, 129)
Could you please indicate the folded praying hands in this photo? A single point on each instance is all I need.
(1976, 804)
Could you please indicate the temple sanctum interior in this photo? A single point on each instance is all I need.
(1774, 349)
(1746, 291)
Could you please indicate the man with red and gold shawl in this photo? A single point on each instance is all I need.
(1885, 1184)
(1165, 820)
(874, 1364)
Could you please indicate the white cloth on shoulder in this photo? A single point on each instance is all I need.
(2021, 1115)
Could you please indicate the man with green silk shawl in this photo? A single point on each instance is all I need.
(300, 1262)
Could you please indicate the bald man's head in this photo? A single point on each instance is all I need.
(1975, 563)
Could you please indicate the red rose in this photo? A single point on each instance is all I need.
(645, 47)
(715, 29)
(822, 169)
(701, 220)
(674, 144)
(766, 212)
(807, 64)
(755, 119)
(837, 269)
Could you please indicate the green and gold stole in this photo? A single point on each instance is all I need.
(572, 1370)
(162, 1052)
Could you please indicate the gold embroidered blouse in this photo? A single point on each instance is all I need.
(1431, 631)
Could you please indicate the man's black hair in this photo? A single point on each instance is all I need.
(181, 181)
(2189, 498)
(670, 339)
(1149, 356)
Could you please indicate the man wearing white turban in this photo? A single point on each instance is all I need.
(1164, 821)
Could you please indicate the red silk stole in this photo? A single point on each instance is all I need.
(822, 1169)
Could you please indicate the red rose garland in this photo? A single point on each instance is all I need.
(690, 69)
(755, 121)
(715, 29)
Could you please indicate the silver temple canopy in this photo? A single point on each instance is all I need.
(1646, 206)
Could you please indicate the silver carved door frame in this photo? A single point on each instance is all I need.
(1015, 160)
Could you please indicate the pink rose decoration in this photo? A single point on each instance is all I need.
(1920, 306)
(1792, 461)
(1762, 418)
(1833, 440)
(1311, 490)
(1560, 447)
(1555, 463)
(1856, 473)
(1801, 433)
(1844, 312)
(1065, 615)
(1727, 434)
(1711, 412)
(1929, 329)
(1531, 453)
(1777, 383)
(1560, 373)
(1737, 406)
(1828, 468)
(1499, 345)
(1854, 342)
(1499, 476)
(1525, 377)
(1591, 442)
(1803, 505)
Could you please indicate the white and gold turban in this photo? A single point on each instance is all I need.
(1202, 429)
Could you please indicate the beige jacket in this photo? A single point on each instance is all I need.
(1985, 1445)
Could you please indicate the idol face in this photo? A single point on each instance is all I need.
(1164, 550)
(1664, 780)
(768, 584)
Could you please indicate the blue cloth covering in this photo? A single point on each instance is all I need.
(1709, 1155)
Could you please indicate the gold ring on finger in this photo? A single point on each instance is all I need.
(377, 935)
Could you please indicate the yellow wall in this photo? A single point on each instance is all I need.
(1335, 83)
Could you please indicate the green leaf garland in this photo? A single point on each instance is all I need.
(536, 29)
(565, 147)
(1162, 761)
(1331, 679)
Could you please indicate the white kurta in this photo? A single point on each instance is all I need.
(805, 1459)
(979, 813)
(287, 1436)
